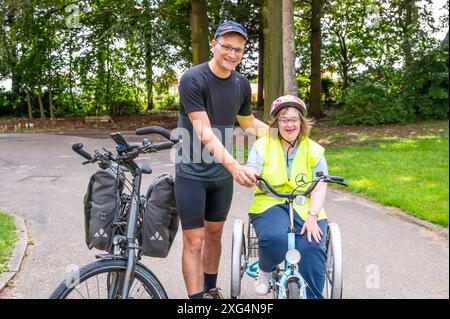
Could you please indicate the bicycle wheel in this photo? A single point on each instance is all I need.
(237, 258)
(333, 279)
(103, 280)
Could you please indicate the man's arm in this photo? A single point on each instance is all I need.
(252, 125)
(202, 127)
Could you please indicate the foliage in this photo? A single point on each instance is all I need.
(110, 57)
(168, 102)
(427, 85)
(419, 93)
(368, 102)
(303, 88)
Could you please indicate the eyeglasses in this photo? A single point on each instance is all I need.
(285, 121)
(229, 48)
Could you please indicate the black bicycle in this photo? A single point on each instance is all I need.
(119, 274)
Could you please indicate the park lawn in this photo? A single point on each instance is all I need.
(8, 238)
(410, 173)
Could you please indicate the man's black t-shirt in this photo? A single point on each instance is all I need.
(222, 100)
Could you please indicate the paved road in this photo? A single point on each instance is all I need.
(43, 181)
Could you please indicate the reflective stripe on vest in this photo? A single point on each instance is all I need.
(274, 170)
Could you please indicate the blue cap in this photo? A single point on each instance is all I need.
(231, 26)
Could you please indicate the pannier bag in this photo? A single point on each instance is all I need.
(101, 207)
(160, 218)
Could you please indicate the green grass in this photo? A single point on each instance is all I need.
(408, 173)
(8, 238)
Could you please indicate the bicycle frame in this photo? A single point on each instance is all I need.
(129, 248)
(131, 229)
(290, 271)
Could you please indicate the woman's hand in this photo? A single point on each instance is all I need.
(312, 229)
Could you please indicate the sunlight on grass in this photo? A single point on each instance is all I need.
(411, 174)
(8, 238)
(363, 183)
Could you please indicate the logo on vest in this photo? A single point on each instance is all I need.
(300, 179)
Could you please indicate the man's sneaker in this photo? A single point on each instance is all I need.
(262, 285)
(213, 293)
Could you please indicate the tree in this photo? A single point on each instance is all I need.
(290, 83)
(273, 53)
(199, 32)
(316, 69)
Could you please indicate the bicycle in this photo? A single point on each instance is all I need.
(119, 274)
(286, 282)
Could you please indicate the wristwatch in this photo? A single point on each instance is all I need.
(313, 213)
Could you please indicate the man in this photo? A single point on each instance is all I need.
(212, 97)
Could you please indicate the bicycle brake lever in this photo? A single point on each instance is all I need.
(341, 183)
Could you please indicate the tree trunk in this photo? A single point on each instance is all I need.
(199, 32)
(148, 57)
(100, 83)
(260, 102)
(407, 31)
(30, 108)
(290, 83)
(111, 111)
(273, 53)
(50, 84)
(315, 109)
(41, 105)
(344, 74)
(72, 97)
(149, 80)
(50, 97)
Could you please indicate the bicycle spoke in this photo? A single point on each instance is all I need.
(133, 287)
(76, 289)
(87, 289)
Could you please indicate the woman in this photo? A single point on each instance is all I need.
(284, 156)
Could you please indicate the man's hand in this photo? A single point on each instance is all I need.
(243, 175)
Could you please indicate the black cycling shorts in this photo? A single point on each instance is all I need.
(198, 201)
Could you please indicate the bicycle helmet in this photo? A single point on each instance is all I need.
(285, 101)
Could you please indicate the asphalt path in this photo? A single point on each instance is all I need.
(386, 253)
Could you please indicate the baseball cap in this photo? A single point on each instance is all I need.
(231, 26)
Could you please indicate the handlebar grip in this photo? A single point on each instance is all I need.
(272, 190)
(336, 178)
(78, 148)
(162, 146)
(157, 130)
(342, 183)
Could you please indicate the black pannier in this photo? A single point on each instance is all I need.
(101, 207)
(160, 218)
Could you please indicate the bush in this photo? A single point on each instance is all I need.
(419, 92)
(330, 91)
(303, 84)
(367, 102)
(168, 102)
(427, 84)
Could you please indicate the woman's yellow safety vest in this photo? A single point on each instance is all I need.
(274, 170)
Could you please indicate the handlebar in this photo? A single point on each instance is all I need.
(157, 130)
(129, 153)
(78, 148)
(320, 177)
